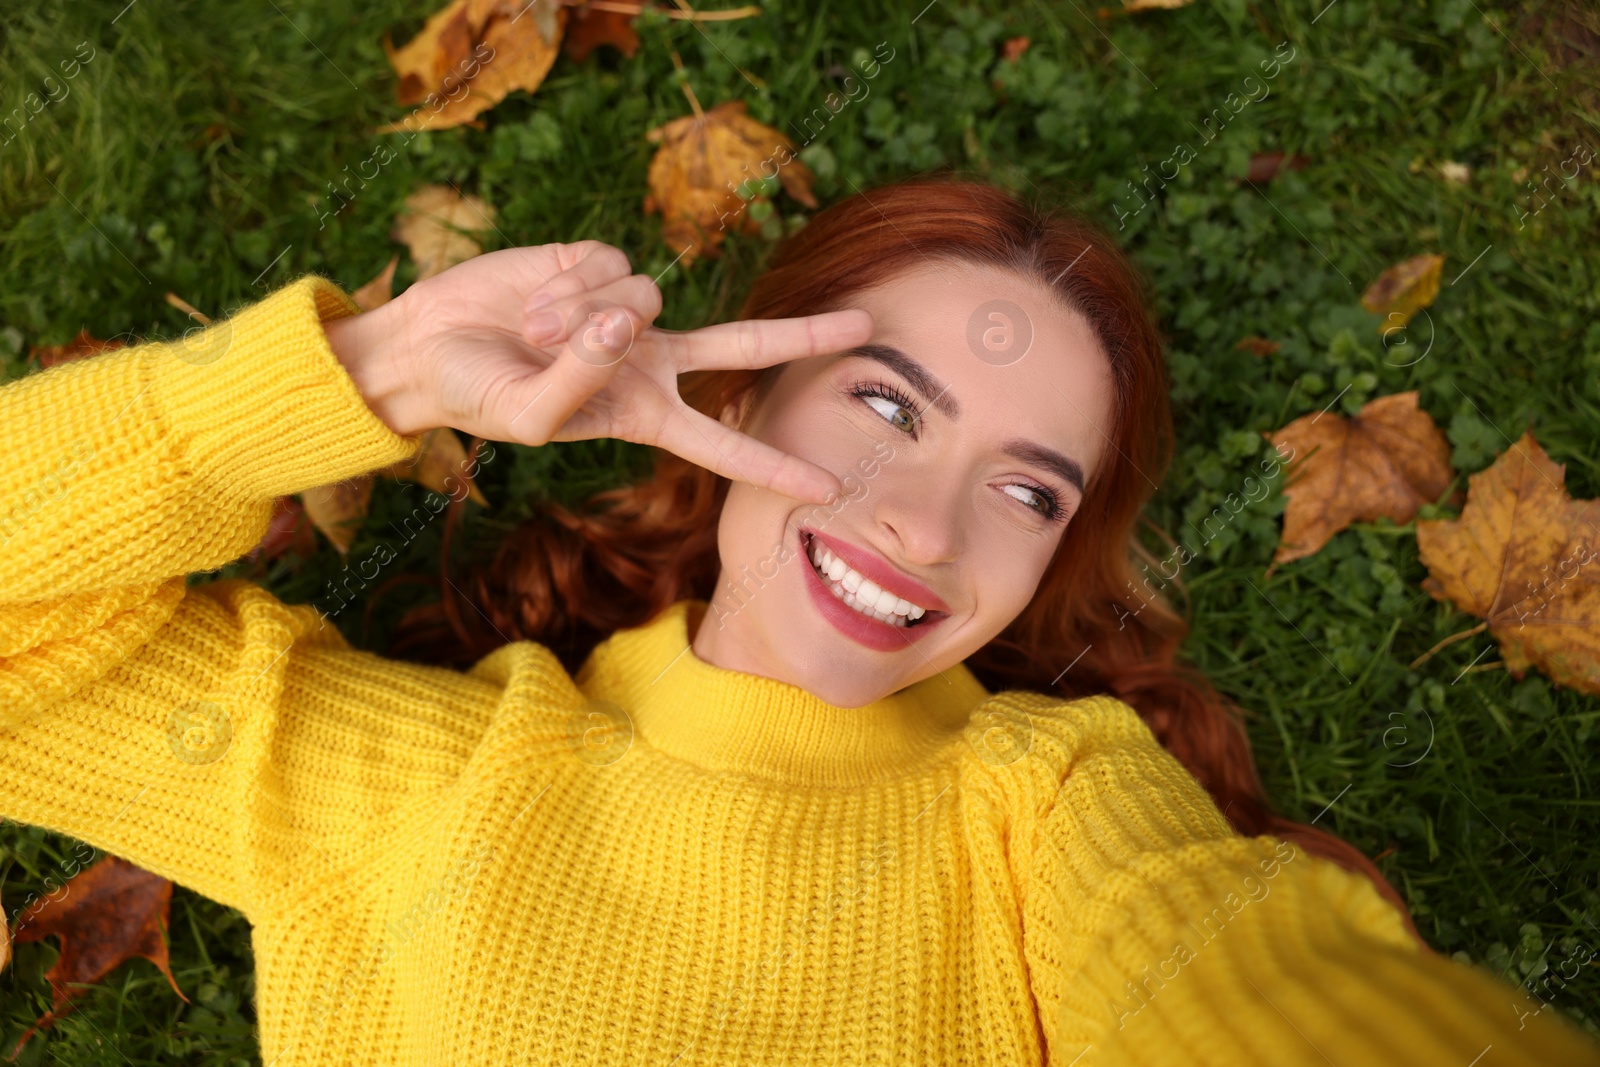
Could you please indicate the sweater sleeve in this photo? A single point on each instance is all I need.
(1150, 927)
(211, 733)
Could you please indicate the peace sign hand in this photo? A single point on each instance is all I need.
(555, 343)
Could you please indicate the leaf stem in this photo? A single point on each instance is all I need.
(1452, 639)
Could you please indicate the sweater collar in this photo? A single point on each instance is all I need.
(727, 720)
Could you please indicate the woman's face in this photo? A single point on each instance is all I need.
(963, 434)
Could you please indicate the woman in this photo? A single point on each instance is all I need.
(784, 824)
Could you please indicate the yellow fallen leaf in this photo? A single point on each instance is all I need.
(702, 160)
(1152, 5)
(1403, 290)
(470, 55)
(437, 225)
(1524, 557)
(380, 290)
(441, 465)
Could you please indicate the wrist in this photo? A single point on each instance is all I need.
(371, 347)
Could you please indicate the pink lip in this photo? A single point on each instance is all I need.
(863, 629)
(881, 573)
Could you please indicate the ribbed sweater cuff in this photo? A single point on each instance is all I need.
(263, 402)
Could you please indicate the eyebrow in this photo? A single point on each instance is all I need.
(916, 375)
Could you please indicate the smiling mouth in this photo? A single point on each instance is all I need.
(902, 614)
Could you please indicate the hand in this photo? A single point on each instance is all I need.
(461, 349)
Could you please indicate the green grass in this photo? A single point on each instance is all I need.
(194, 148)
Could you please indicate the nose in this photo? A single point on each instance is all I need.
(918, 514)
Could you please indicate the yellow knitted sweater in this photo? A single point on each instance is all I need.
(659, 861)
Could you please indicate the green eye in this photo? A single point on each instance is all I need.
(896, 408)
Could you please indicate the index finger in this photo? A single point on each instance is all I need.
(748, 343)
(734, 455)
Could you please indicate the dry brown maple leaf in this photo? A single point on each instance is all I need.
(470, 55)
(85, 344)
(110, 913)
(380, 290)
(1524, 557)
(1403, 290)
(437, 224)
(702, 161)
(1386, 462)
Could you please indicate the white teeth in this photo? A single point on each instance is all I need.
(859, 593)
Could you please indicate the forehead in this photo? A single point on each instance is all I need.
(1014, 358)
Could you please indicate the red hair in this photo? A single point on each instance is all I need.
(568, 579)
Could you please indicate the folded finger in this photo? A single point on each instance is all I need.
(575, 318)
(580, 371)
(596, 264)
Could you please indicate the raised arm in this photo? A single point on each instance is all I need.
(213, 734)
(1157, 935)
(135, 712)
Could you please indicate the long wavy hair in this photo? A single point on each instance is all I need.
(567, 579)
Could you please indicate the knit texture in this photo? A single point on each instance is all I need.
(658, 861)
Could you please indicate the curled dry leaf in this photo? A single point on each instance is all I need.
(288, 530)
(438, 225)
(110, 913)
(441, 465)
(702, 160)
(1386, 462)
(470, 55)
(1403, 290)
(85, 344)
(589, 28)
(1525, 558)
(1131, 6)
(337, 510)
(1258, 346)
(1265, 166)
(380, 290)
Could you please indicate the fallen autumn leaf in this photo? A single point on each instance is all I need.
(1524, 557)
(1385, 462)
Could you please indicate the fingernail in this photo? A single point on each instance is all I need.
(539, 301)
(543, 324)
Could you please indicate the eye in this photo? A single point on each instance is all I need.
(1048, 506)
(896, 408)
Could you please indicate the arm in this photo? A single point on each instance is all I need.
(1153, 931)
(215, 735)
(191, 730)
